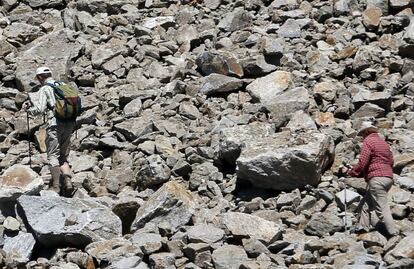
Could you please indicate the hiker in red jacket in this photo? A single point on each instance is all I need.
(375, 164)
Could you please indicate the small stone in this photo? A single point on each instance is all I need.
(11, 224)
(372, 17)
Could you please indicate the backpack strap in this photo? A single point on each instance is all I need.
(55, 89)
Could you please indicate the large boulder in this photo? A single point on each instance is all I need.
(170, 205)
(234, 139)
(58, 221)
(285, 161)
(60, 44)
(18, 180)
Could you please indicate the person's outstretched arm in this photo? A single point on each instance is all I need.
(363, 162)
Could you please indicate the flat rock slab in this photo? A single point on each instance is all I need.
(18, 180)
(58, 221)
(171, 205)
(248, 226)
(285, 161)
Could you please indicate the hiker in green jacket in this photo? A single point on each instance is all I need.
(58, 132)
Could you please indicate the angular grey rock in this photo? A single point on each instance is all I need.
(229, 257)
(301, 120)
(109, 251)
(366, 57)
(401, 197)
(19, 180)
(189, 110)
(347, 198)
(403, 249)
(162, 261)
(203, 174)
(341, 7)
(61, 44)
(234, 139)
(135, 127)
(6, 48)
(322, 224)
(107, 51)
(372, 239)
(382, 4)
(57, 221)
(248, 226)
(127, 263)
(171, 205)
(218, 62)
(267, 88)
(381, 99)
(204, 233)
(153, 173)
(409, 35)
(45, 3)
(285, 104)
(212, 4)
(166, 21)
(399, 3)
(406, 47)
(256, 66)
(11, 224)
(285, 161)
(81, 163)
(19, 33)
(216, 83)
(369, 110)
(9, 4)
(147, 242)
(290, 29)
(236, 20)
(19, 249)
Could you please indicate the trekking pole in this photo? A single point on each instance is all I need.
(345, 198)
(28, 139)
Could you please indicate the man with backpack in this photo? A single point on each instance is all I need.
(60, 103)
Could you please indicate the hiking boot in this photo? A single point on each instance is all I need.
(67, 186)
(55, 183)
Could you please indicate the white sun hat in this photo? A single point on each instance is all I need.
(43, 70)
(366, 125)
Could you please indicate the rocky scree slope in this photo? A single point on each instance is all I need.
(212, 132)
